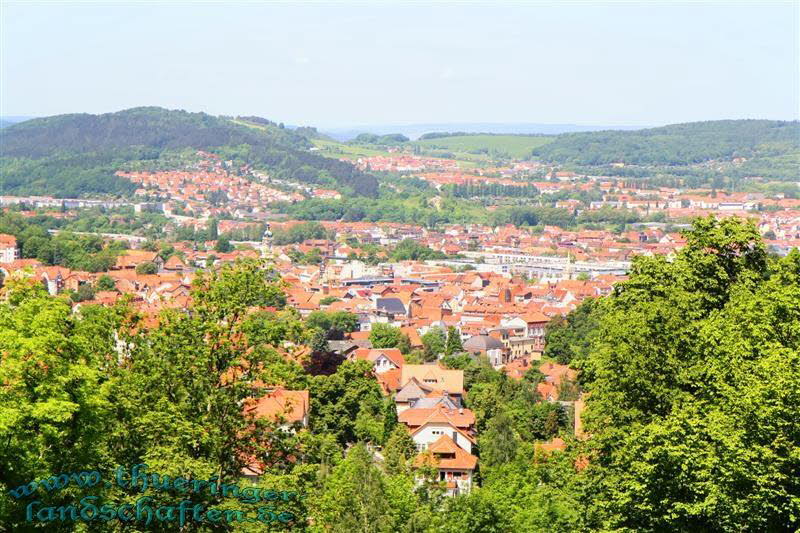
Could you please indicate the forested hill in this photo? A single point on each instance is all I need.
(78, 154)
(150, 127)
(677, 144)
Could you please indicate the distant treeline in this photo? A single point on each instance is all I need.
(443, 134)
(456, 211)
(371, 138)
(678, 144)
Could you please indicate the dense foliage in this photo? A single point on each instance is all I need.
(299, 233)
(371, 138)
(568, 339)
(90, 253)
(677, 144)
(692, 369)
(694, 387)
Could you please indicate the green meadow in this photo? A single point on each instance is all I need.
(516, 146)
(348, 151)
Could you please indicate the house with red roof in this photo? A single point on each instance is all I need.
(288, 408)
(426, 425)
(455, 466)
(8, 248)
(383, 359)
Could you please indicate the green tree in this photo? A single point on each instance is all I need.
(567, 339)
(453, 345)
(390, 420)
(385, 336)
(694, 389)
(498, 444)
(474, 512)
(212, 229)
(148, 267)
(353, 498)
(404, 345)
(223, 246)
(433, 342)
(338, 399)
(334, 323)
(399, 450)
(105, 283)
(153, 396)
(416, 357)
(55, 412)
(85, 292)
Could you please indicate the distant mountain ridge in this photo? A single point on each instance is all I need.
(415, 131)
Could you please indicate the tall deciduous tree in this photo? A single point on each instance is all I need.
(353, 498)
(693, 401)
(338, 400)
(433, 342)
(385, 336)
(453, 345)
(55, 413)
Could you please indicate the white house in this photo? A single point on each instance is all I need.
(8, 248)
(383, 360)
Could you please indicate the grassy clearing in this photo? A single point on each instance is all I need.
(517, 146)
(348, 151)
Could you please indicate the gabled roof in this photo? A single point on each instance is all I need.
(174, 263)
(392, 306)
(411, 389)
(446, 454)
(435, 377)
(458, 418)
(548, 391)
(372, 354)
(434, 399)
(482, 343)
(389, 380)
(460, 431)
(131, 258)
(535, 317)
(280, 405)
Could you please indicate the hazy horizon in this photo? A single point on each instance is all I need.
(363, 65)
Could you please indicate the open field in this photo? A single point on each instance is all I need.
(518, 146)
(348, 151)
(354, 151)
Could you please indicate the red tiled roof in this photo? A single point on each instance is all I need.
(280, 405)
(446, 454)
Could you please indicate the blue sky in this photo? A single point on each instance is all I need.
(345, 64)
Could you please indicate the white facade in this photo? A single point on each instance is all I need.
(383, 364)
(431, 432)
